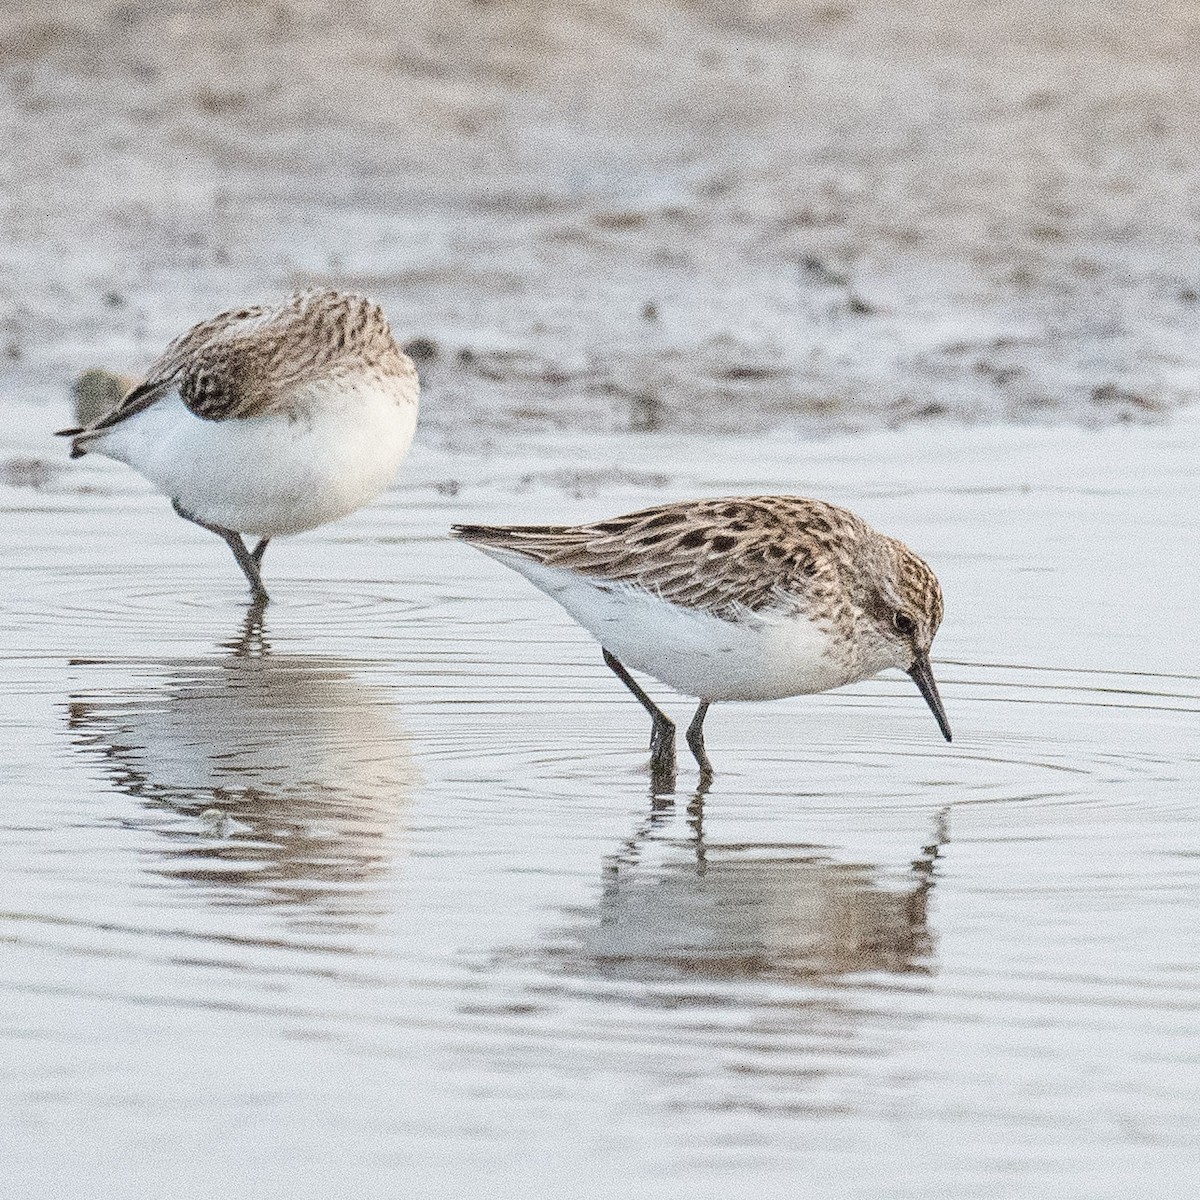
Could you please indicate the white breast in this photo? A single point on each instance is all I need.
(337, 449)
(762, 657)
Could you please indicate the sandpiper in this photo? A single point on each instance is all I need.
(268, 420)
(745, 598)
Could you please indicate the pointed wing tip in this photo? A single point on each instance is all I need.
(501, 542)
(479, 535)
(77, 450)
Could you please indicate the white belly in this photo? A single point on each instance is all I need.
(761, 658)
(270, 475)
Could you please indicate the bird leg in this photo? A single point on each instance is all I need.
(695, 741)
(234, 541)
(662, 732)
(259, 551)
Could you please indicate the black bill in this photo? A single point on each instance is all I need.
(922, 676)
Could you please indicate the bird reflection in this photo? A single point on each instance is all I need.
(674, 908)
(272, 779)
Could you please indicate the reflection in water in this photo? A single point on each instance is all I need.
(271, 779)
(676, 908)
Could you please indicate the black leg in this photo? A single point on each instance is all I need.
(259, 551)
(234, 542)
(662, 733)
(695, 741)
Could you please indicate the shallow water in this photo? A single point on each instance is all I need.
(375, 900)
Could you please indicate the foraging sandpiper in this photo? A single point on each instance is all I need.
(746, 598)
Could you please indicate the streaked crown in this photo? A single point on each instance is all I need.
(912, 607)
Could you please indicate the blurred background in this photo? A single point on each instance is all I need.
(835, 214)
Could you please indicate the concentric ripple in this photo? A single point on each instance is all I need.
(380, 872)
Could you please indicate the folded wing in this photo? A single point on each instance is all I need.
(724, 557)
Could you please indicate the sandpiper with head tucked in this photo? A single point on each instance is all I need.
(746, 598)
(269, 420)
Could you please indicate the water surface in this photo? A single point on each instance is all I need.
(374, 898)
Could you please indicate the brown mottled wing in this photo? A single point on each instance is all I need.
(251, 364)
(720, 556)
(218, 365)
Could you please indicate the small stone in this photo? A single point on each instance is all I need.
(27, 472)
(422, 350)
(816, 272)
(97, 392)
(1112, 394)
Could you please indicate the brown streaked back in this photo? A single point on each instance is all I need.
(724, 557)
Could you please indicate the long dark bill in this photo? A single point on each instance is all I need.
(922, 676)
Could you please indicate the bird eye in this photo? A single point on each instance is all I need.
(904, 624)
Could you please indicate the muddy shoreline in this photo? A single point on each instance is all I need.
(667, 216)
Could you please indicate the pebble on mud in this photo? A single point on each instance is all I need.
(33, 473)
(98, 392)
(422, 350)
(815, 272)
(1110, 394)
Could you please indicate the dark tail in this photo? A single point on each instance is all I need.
(493, 535)
(474, 533)
(480, 535)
